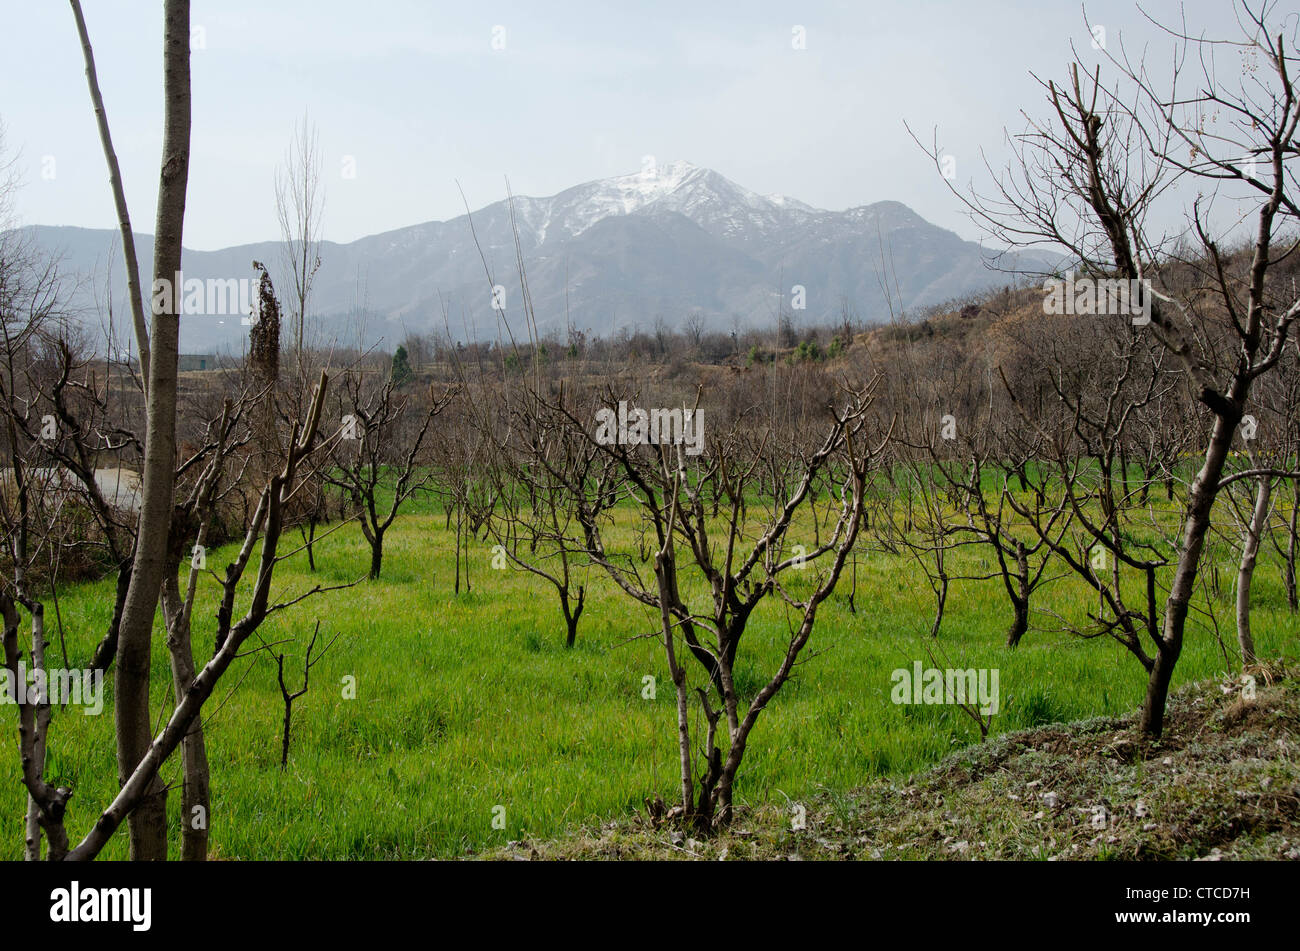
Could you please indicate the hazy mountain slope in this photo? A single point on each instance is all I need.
(613, 253)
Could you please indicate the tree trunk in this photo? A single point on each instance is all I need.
(1019, 622)
(853, 590)
(41, 734)
(196, 806)
(1204, 490)
(376, 555)
(284, 737)
(1152, 721)
(457, 589)
(1249, 552)
(311, 542)
(664, 567)
(941, 596)
(107, 648)
(1020, 602)
(1288, 567)
(148, 822)
(572, 615)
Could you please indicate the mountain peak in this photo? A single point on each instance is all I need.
(673, 171)
(652, 182)
(708, 198)
(712, 201)
(666, 240)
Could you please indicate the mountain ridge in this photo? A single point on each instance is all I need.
(663, 243)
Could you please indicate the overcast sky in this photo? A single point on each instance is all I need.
(415, 94)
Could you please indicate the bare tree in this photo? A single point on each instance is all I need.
(310, 659)
(158, 537)
(299, 206)
(743, 562)
(1086, 179)
(693, 326)
(381, 445)
(266, 526)
(548, 487)
(148, 822)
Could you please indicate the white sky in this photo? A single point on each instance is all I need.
(416, 94)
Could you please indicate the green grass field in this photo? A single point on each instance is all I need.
(468, 702)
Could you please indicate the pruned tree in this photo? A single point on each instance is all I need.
(380, 450)
(546, 488)
(741, 560)
(309, 660)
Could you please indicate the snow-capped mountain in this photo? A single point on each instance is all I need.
(717, 205)
(667, 241)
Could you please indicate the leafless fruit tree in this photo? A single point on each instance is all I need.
(1085, 180)
(710, 575)
(380, 448)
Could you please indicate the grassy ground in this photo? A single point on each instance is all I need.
(468, 702)
(1224, 783)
